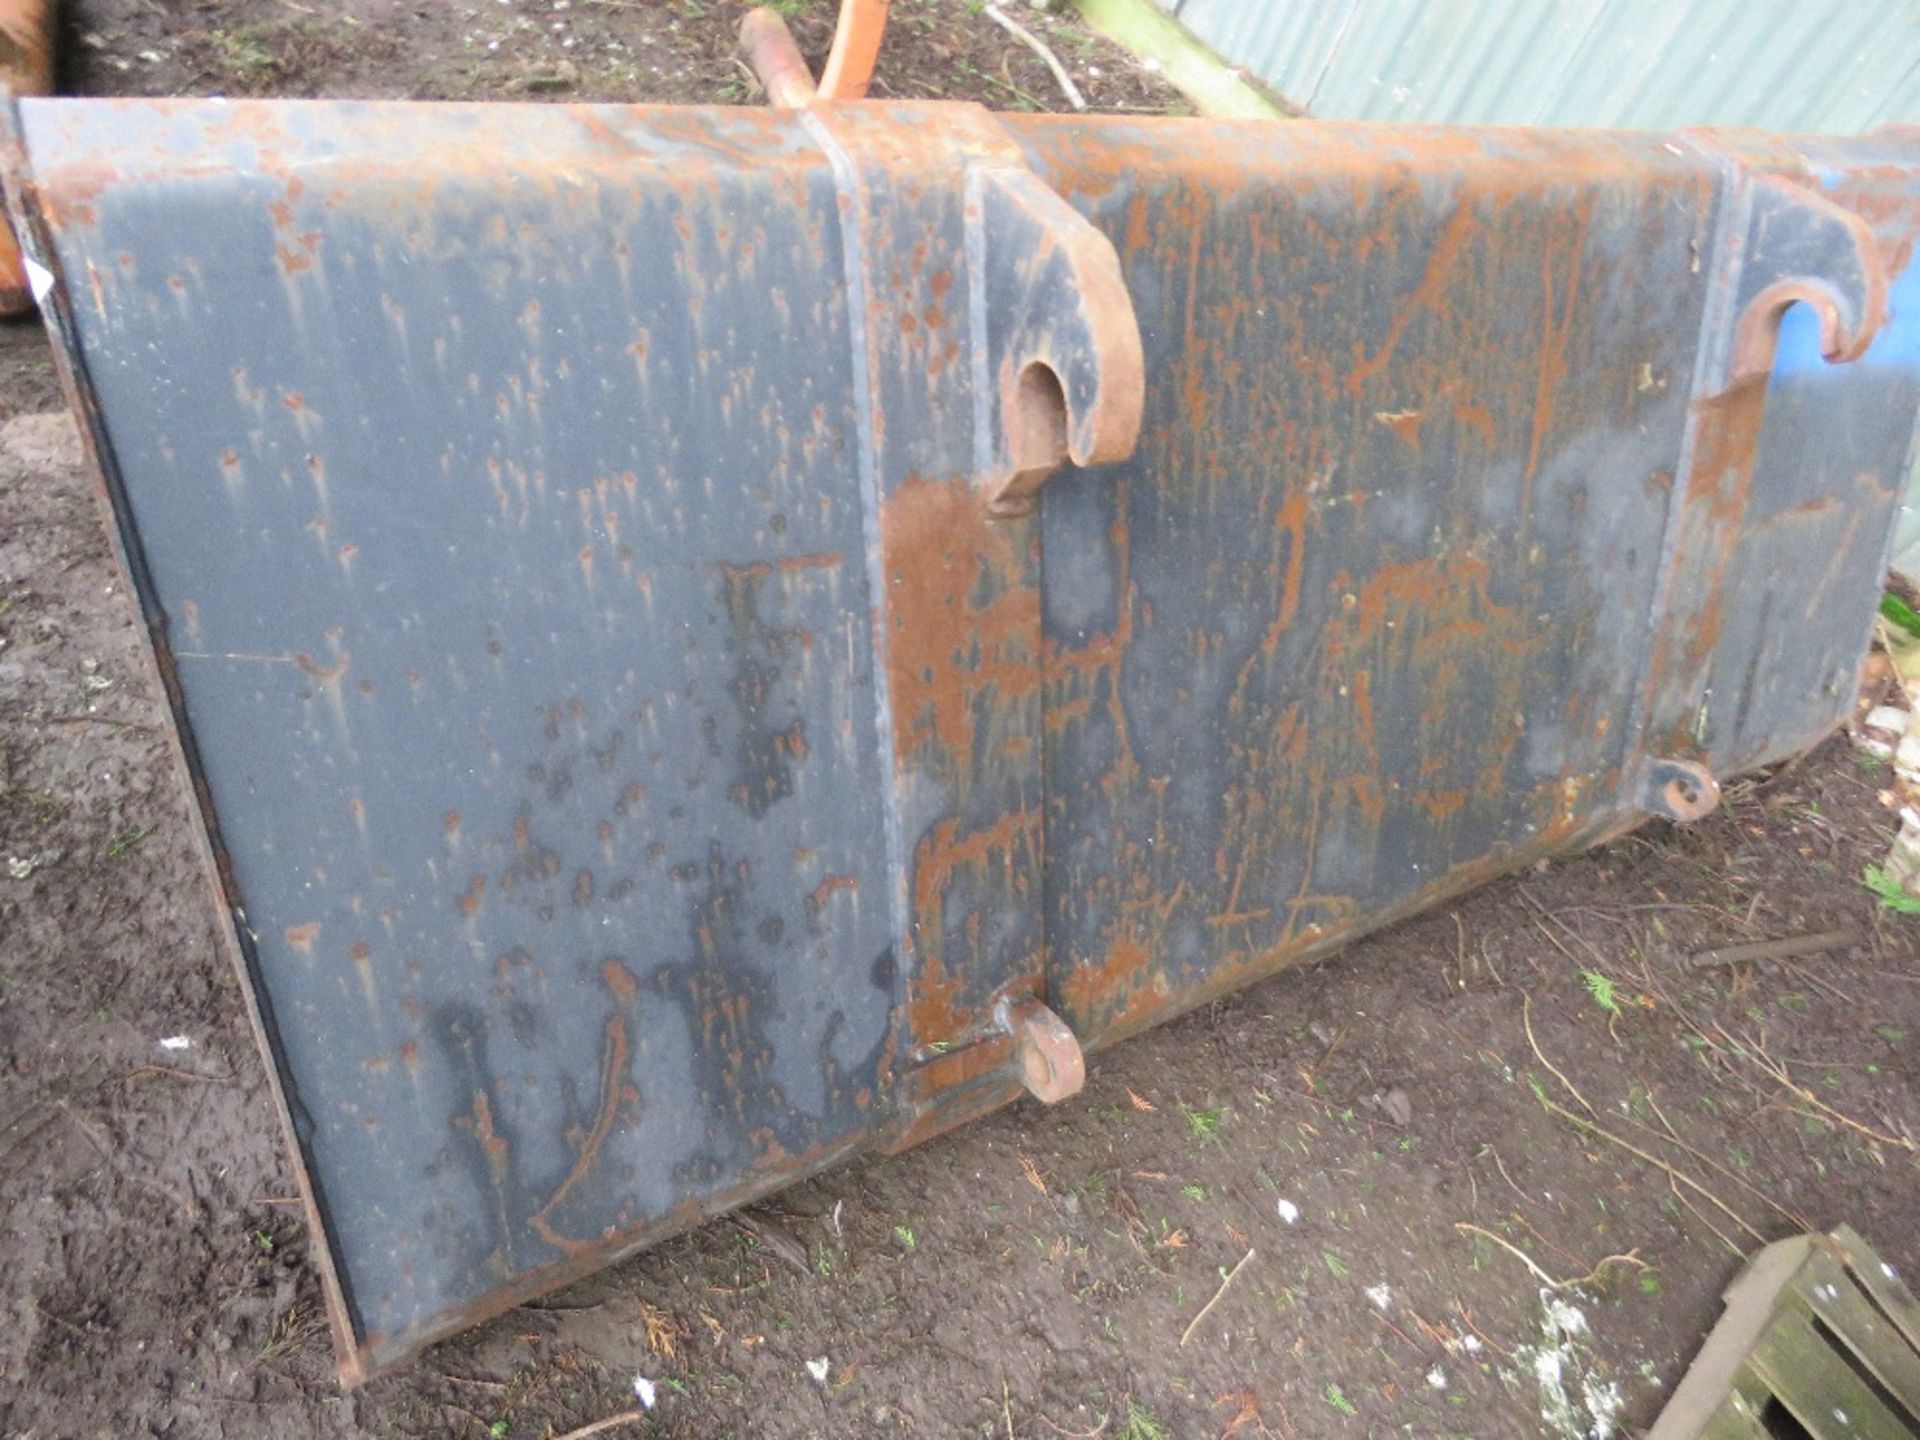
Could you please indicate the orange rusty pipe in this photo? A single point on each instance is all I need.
(775, 59)
(856, 45)
(26, 68)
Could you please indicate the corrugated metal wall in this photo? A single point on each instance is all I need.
(1811, 65)
(1834, 66)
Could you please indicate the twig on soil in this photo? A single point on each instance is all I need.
(99, 720)
(1540, 924)
(1093, 1434)
(1673, 1172)
(1820, 983)
(625, 1417)
(1485, 1339)
(83, 1331)
(114, 1163)
(1755, 1051)
(1526, 1019)
(1694, 1210)
(1501, 1167)
(1512, 1249)
(1534, 1230)
(179, 1075)
(1798, 1220)
(1434, 1333)
(1460, 954)
(1788, 948)
(785, 1249)
(1598, 1275)
(1208, 1307)
(1411, 1343)
(1033, 42)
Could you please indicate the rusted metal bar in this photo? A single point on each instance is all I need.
(26, 68)
(856, 46)
(770, 52)
(710, 641)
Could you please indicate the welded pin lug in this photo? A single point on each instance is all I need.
(1051, 1065)
(1060, 353)
(1681, 790)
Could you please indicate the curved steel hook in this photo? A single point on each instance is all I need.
(856, 45)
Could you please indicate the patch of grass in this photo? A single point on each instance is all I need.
(1335, 1265)
(1899, 612)
(291, 1331)
(1601, 988)
(127, 841)
(241, 50)
(904, 1237)
(1141, 1424)
(1337, 1398)
(1194, 1192)
(1890, 891)
(1204, 1125)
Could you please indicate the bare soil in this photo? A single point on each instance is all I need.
(1541, 1062)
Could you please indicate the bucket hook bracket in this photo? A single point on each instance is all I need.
(1059, 372)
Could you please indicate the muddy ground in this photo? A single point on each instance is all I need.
(1035, 1274)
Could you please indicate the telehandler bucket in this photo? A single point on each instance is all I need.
(709, 641)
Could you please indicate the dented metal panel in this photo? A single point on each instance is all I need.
(710, 640)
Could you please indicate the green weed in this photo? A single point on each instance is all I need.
(1891, 892)
(1601, 988)
(1204, 1125)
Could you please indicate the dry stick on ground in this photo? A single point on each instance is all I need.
(179, 1075)
(1411, 1344)
(1672, 1171)
(1548, 916)
(783, 1247)
(1485, 1339)
(1593, 1276)
(1534, 1230)
(1206, 1308)
(1590, 1126)
(1672, 1135)
(1694, 1210)
(120, 1167)
(1800, 972)
(1786, 1212)
(1789, 948)
(1501, 1167)
(1092, 1434)
(1033, 42)
(1526, 1019)
(1755, 1052)
(625, 1417)
(99, 720)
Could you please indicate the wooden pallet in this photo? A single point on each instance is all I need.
(1820, 1338)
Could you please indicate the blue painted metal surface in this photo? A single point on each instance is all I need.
(651, 743)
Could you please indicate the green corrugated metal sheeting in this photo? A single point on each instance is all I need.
(1827, 66)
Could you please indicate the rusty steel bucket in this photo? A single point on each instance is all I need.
(712, 640)
(26, 68)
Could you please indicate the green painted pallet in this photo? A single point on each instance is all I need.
(1819, 1338)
